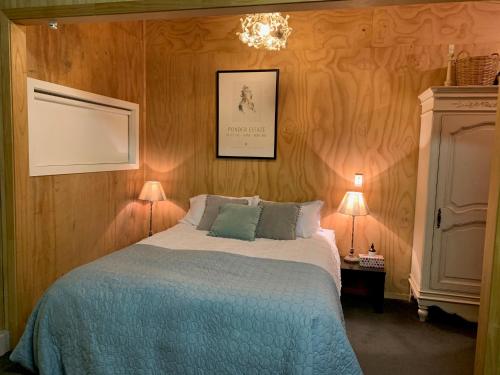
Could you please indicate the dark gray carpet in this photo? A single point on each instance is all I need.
(9, 368)
(395, 342)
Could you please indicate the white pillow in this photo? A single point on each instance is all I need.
(252, 201)
(308, 222)
(197, 207)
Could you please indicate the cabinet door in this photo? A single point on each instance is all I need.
(465, 153)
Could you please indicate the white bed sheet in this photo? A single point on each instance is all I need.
(319, 250)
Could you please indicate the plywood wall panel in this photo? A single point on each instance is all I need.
(68, 220)
(23, 261)
(351, 28)
(466, 23)
(347, 103)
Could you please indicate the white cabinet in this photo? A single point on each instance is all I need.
(456, 145)
(74, 131)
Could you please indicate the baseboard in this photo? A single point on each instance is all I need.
(401, 296)
(4, 342)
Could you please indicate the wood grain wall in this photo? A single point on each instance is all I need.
(488, 334)
(6, 173)
(68, 220)
(349, 82)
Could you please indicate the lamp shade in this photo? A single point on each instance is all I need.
(152, 191)
(353, 204)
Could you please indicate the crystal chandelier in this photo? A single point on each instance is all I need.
(265, 30)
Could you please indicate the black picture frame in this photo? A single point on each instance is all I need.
(225, 155)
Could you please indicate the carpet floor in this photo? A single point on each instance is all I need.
(395, 342)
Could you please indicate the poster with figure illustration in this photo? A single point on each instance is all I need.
(247, 102)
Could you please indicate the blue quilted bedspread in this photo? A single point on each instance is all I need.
(148, 310)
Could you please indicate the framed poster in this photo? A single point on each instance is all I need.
(247, 113)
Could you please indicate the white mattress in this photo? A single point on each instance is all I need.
(319, 250)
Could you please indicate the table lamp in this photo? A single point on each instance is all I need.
(353, 204)
(152, 191)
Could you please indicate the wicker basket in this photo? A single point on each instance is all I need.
(477, 70)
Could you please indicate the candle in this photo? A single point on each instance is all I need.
(451, 49)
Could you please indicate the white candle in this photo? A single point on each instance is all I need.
(451, 49)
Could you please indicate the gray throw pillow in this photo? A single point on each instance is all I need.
(278, 220)
(236, 221)
(212, 210)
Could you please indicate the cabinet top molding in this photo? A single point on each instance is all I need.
(459, 98)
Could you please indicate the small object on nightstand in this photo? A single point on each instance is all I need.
(372, 252)
(371, 261)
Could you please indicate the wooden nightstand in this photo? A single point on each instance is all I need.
(369, 282)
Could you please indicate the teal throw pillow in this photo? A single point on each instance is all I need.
(236, 221)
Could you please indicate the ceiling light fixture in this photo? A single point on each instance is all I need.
(265, 30)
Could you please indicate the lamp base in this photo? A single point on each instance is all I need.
(351, 258)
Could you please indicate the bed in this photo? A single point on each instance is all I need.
(181, 302)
